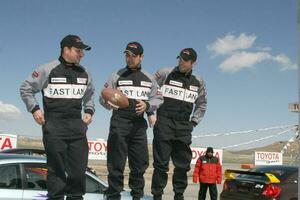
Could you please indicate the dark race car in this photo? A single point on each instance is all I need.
(261, 183)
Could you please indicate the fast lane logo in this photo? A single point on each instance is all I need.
(179, 93)
(68, 91)
(133, 46)
(186, 52)
(133, 92)
(77, 39)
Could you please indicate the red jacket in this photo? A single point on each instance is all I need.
(208, 170)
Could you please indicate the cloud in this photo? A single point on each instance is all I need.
(265, 48)
(241, 60)
(235, 51)
(284, 62)
(231, 43)
(9, 112)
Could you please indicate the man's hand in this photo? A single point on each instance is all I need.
(151, 120)
(140, 107)
(38, 116)
(87, 118)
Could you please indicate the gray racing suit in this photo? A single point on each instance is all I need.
(65, 90)
(127, 133)
(183, 108)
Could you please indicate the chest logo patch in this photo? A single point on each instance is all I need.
(64, 91)
(194, 88)
(81, 80)
(146, 84)
(58, 80)
(133, 92)
(125, 82)
(176, 83)
(178, 93)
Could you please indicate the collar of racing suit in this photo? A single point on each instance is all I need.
(189, 73)
(63, 61)
(138, 69)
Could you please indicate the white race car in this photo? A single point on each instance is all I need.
(23, 177)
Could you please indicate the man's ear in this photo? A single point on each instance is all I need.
(142, 56)
(65, 49)
(193, 63)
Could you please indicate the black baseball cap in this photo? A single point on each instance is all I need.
(74, 41)
(135, 48)
(188, 54)
(209, 150)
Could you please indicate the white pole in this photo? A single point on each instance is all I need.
(298, 140)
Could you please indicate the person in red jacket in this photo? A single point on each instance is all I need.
(208, 172)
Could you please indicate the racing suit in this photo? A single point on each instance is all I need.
(183, 94)
(127, 133)
(65, 89)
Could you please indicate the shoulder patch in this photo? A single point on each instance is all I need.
(157, 75)
(35, 74)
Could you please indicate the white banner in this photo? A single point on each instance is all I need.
(197, 152)
(97, 149)
(8, 141)
(268, 158)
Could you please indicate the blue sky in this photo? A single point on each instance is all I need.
(247, 55)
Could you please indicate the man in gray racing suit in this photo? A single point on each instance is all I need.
(127, 133)
(183, 108)
(66, 87)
